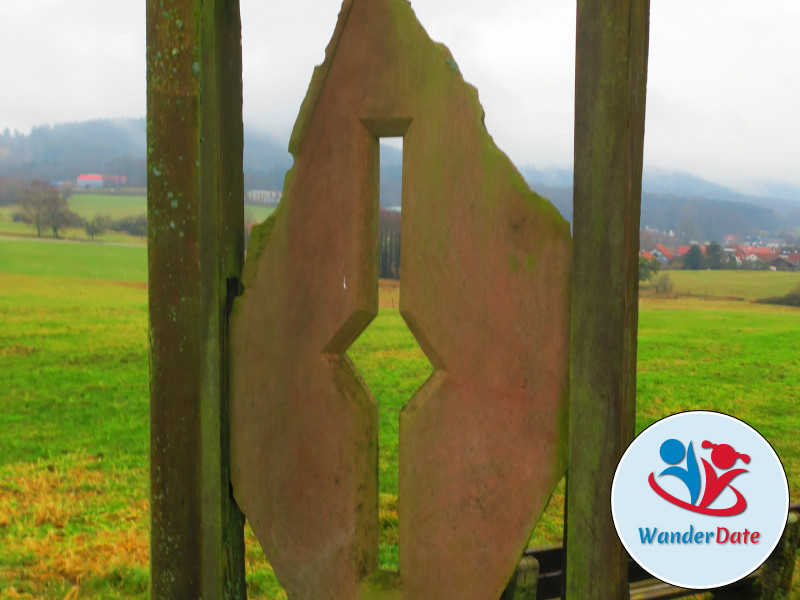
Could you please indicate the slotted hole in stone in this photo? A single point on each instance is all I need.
(387, 355)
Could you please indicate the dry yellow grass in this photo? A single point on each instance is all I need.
(54, 513)
(389, 293)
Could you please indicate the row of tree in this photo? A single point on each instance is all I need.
(99, 224)
(694, 259)
(714, 258)
(389, 244)
(648, 268)
(43, 206)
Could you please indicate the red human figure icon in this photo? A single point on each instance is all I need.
(724, 457)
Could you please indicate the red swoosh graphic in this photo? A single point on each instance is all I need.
(737, 508)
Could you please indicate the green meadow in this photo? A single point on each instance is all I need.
(738, 284)
(113, 205)
(70, 259)
(73, 435)
(87, 205)
(74, 412)
(119, 205)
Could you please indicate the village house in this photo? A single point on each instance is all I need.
(789, 262)
(662, 254)
(89, 181)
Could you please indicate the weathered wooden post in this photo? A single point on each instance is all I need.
(611, 75)
(195, 223)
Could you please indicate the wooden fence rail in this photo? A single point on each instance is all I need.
(643, 586)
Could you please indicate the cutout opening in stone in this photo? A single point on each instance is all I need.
(393, 366)
(387, 355)
(391, 197)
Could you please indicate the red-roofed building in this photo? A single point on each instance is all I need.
(684, 249)
(734, 254)
(754, 255)
(765, 254)
(782, 263)
(98, 181)
(662, 254)
(759, 254)
(90, 181)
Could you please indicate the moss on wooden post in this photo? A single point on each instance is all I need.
(524, 582)
(611, 73)
(195, 253)
(775, 580)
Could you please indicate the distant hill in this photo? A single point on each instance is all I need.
(680, 183)
(692, 207)
(118, 147)
(682, 202)
(391, 176)
(693, 218)
(265, 161)
(61, 152)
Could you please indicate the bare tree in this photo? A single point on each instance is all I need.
(59, 215)
(36, 202)
(389, 244)
(97, 226)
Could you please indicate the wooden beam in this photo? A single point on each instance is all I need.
(195, 255)
(611, 75)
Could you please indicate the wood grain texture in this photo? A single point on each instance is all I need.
(195, 254)
(611, 74)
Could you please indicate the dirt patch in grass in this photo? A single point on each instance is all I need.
(137, 285)
(17, 350)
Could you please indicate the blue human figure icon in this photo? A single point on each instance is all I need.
(672, 453)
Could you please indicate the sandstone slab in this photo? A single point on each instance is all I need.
(485, 290)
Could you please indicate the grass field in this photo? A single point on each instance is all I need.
(743, 284)
(394, 367)
(73, 437)
(115, 206)
(59, 258)
(74, 414)
(11, 229)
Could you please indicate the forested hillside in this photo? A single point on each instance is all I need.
(61, 152)
(690, 206)
(693, 218)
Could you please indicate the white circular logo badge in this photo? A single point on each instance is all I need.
(700, 499)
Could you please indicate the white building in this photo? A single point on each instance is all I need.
(264, 197)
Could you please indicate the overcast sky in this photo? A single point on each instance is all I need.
(723, 97)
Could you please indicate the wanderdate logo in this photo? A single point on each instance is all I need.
(700, 499)
(723, 457)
